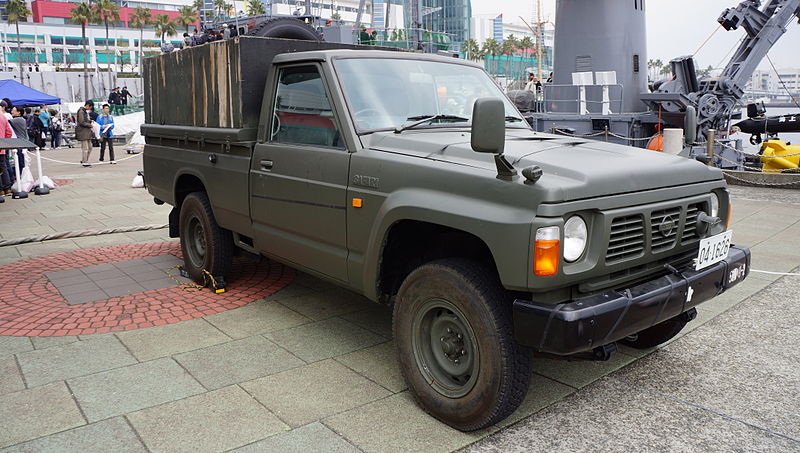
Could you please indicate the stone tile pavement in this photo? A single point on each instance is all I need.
(312, 367)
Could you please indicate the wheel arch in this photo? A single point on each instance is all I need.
(410, 243)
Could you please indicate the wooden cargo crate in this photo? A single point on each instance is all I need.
(216, 85)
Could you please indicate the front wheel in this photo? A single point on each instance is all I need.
(206, 246)
(454, 335)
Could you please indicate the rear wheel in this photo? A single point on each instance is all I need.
(660, 333)
(454, 336)
(205, 245)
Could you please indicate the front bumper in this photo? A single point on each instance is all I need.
(598, 320)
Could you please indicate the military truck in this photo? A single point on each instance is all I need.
(412, 180)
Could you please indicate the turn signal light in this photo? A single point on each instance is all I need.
(547, 251)
(730, 215)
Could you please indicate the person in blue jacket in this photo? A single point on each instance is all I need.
(106, 122)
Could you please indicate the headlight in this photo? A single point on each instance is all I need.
(575, 234)
(714, 205)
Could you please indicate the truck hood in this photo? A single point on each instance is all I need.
(572, 168)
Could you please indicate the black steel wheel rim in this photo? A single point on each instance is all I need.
(196, 243)
(445, 348)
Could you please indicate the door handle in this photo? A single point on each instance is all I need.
(266, 165)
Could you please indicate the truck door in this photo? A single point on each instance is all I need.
(298, 177)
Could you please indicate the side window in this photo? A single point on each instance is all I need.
(302, 112)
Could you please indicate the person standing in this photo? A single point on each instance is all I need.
(20, 127)
(29, 124)
(83, 131)
(113, 98)
(38, 129)
(123, 96)
(106, 122)
(45, 118)
(5, 165)
(234, 30)
(56, 127)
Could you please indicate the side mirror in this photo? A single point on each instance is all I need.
(489, 134)
(690, 126)
(488, 126)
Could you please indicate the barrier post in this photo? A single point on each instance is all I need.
(42, 189)
(17, 194)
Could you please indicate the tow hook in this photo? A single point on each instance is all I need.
(688, 315)
(598, 354)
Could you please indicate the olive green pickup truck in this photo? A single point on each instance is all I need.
(412, 180)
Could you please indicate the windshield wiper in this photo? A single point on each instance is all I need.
(421, 119)
(513, 119)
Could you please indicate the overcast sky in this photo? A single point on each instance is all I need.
(674, 28)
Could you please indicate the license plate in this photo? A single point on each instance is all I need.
(713, 250)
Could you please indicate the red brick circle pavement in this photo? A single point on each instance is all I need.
(32, 306)
(62, 182)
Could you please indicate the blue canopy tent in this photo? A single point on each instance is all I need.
(19, 94)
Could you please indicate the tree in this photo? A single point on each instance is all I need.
(186, 16)
(164, 26)
(510, 45)
(472, 50)
(83, 14)
(655, 67)
(705, 73)
(105, 11)
(526, 44)
(16, 10)
(493, 48)
(199, 6)
(256, 8)
(140, 18)
(219, 6)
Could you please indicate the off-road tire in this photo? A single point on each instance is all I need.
(657, 334)
(286, 28)
(504, 367)
(197, 222)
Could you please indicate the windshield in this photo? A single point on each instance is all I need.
(390, 93)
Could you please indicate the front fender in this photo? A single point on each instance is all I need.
(504, 229)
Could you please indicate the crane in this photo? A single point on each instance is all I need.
(716, 98)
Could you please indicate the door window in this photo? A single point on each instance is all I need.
(303, 113)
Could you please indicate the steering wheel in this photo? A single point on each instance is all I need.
(364, 115)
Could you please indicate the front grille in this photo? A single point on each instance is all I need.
(626, 240)
(664, 228)
(690, 229)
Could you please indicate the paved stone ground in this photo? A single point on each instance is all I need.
(312, 367)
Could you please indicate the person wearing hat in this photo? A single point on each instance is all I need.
(226, 32)
(83, 131)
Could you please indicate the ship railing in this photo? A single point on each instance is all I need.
(583, 99)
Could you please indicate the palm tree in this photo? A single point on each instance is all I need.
(198, 6)
(140, 18)
(105, 11)
(16, 10)
(526, 44)
(83, 14)
(164, 26)
(510, 45)
(472, 50)
(492, 47)
(256, 8)
(186, 16)
(219, 5)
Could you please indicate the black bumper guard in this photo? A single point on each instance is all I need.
(598, 320)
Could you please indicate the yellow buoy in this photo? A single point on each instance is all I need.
(777, 156)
